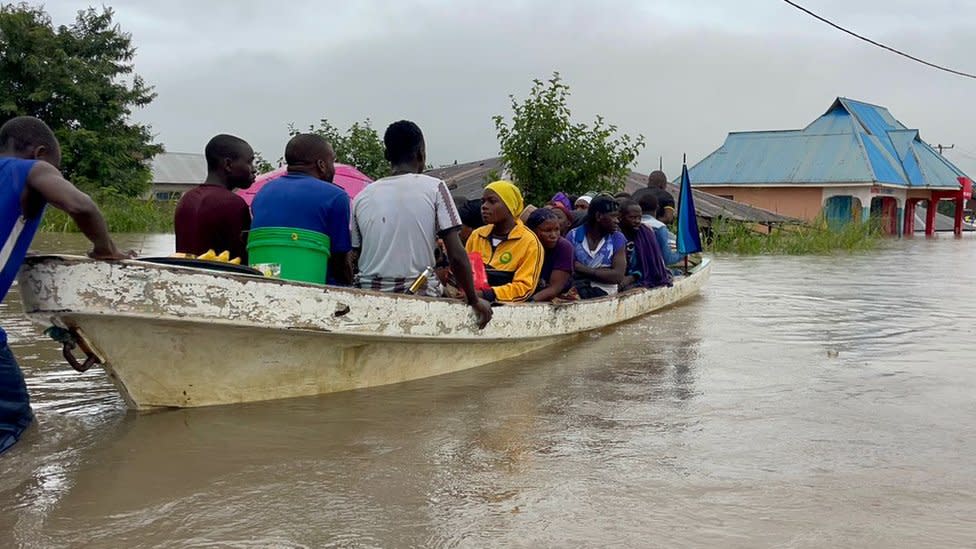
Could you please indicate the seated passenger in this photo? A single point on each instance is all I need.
(583, 203)
(562, 198)
(307, 199)
(600, 250)
(397, 220)
(565, 216)
(210, 216)
(645, 264)
(657, 207)
(556, 276)
(511, 252)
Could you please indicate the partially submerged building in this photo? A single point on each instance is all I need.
(468, 180)
(856, 156)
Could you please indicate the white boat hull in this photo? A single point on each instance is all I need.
(183, 337)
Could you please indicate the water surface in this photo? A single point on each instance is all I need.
(799, 402)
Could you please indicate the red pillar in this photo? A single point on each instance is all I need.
(910, 217)
(930, 217)
(957, 224)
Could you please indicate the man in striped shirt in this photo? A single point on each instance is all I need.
(397, 220)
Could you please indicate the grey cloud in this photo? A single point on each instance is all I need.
(683, 74)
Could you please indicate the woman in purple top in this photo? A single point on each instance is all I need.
(556, 276)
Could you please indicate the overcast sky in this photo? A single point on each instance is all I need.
(682, 72)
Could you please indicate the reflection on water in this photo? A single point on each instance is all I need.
(802, 402)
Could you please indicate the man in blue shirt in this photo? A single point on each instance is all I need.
(307, 199)
(29, 180)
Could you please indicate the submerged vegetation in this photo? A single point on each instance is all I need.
(815, 239)
(122, 213)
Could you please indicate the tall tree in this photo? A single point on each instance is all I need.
(546, 152)
(79, 79)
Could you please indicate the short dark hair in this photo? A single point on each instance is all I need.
(601, 203)
(470, 212)
(540, 216)
(305, 148)
(403, 141)
(25, 132)
(657, 179)
(647, 199)
(628, 203)
(222, 147)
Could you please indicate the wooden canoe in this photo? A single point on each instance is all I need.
(178, 336)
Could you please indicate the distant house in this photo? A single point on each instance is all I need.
(175, 173)
(855, 156)
(468, 181)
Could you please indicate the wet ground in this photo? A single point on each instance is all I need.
(799, 402)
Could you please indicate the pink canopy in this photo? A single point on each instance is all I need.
(350, 179)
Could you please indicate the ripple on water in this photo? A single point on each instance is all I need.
(800, 402)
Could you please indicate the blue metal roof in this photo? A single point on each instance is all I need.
(853, 142)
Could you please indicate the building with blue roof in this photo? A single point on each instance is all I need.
(855, 156)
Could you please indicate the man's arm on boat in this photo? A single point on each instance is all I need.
(47, 182)
(461, 267)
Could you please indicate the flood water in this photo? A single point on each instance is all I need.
(799, 402)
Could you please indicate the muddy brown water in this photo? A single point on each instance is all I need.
(799, 402)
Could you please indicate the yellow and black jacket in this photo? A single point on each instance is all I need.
(514, 265)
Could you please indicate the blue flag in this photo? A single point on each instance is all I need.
(689, 240)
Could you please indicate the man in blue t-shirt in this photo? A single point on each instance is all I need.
(29, 180)
(307, 199)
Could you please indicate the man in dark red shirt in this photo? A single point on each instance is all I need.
(212, 216)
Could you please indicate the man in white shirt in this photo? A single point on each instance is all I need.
(397, 220)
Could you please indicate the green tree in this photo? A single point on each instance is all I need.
(359, 146)
(79, 79)
(546, 152)
(263, 165)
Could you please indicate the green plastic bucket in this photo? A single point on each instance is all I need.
(290, 254)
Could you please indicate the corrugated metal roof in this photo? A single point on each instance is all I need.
(179, 168)
(469, 179)
(756, 158)
(853, 142)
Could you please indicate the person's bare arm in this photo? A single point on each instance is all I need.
(557, 281)
(461, 267)
(607, 275)
(46, 181)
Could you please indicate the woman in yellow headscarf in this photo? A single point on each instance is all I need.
(511, 252)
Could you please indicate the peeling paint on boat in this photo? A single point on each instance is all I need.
(177, 336)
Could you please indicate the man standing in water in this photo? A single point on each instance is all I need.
(397, 220)
(29, 179)
(211, 216)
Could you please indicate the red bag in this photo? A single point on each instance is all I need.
(478, 271)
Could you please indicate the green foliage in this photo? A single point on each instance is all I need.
(263, 165)
(79, 79)
(547, 153)
(492, 175)
(359, 146)
(124, 214)
(816, 239)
